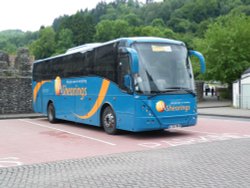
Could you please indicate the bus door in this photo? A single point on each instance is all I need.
(124, 112)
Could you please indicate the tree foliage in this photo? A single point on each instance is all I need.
(80, 24)
(226, 47)
(45, 45)
(11, 40)
(217, 28)
(64, 40)
(109, 29)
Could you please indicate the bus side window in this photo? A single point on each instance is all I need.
(105, 59)
(89, 62)
(123, 69)
(37, 69)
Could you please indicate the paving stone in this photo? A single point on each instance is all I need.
(216, 164)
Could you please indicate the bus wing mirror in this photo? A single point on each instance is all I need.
(134, 61)
(201, 59)
(128, 82)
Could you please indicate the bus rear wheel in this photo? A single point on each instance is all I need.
(109, 121)
(51, 113)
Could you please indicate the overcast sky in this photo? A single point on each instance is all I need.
(29, 15)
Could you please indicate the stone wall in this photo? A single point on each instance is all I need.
(15, 83)
(15, 95)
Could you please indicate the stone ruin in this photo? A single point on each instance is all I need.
(15, 82)
(4, 63)
(23, 62)
(19, 66)
(4, 59)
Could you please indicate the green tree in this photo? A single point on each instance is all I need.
(111, 14)
(8, 47)
(226, 48)
(133, 19)
(158, 22)
(153, 31)
(99, 10)
(60, 23)
(187, 18)
(82, 26)
(11, 40)
(117, 9)
(150, 12)
(181, 25)
(64, 41)
(121, 28)
(104, 30)
(45, 45)
(108, 29)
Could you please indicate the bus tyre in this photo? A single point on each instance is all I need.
(109, 121)
(51, 113)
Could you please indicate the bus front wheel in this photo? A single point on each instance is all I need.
(109, 121)
(51, 113)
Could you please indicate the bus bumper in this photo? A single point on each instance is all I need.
(152, 123)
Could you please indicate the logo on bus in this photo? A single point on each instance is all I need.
(58, 85)
(66, 91)
(161, 106)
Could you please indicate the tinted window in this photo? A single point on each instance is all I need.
(65, 66)
(89, 62)
(105, 62)
(100, 61)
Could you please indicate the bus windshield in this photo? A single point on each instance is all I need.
(164, 68)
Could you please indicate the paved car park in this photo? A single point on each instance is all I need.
(35, 153)
(215, 164)
(29, 141)
(215, 153)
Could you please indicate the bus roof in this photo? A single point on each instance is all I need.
(129, 40)
(83, 48)
(151, 39)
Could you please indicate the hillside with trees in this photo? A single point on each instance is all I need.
(220, 29)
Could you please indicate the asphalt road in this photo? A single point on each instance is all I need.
(35, 153)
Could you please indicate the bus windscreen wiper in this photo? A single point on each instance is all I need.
(181, 89)
(156, 93)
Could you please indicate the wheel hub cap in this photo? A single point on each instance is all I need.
(109, 120)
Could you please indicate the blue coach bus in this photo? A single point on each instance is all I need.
(134, 84)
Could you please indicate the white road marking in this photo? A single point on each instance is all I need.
(79, 135)
(10, 161)
(150, 145)
(227, 120)
(209, 137)
(202, 132)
